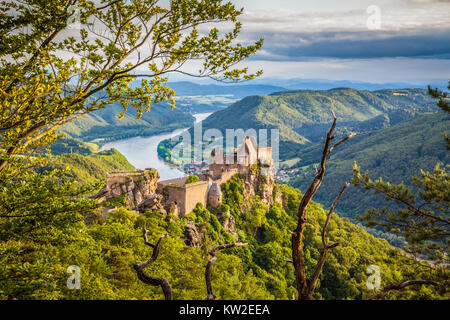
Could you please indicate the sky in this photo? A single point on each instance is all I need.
(376, 41)
(372, 41)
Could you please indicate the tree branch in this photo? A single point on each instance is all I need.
(153, 281)
(297, 236)
(211, 261)
(400, 286)
(326, 246)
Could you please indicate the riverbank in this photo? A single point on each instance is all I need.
(142, 153)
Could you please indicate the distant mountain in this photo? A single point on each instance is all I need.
(104, 124)
(325, 84)
(191, 98)
(186, 88)
(394, 154)
(303, 116)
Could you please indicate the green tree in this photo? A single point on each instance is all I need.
(53, 72)
(420, 215)
(191, 179)
(60, 60)
(443, 103)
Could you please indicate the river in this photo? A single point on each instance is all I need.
(142, 153)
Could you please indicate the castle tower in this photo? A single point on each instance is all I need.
(214, 195)
(248, 152)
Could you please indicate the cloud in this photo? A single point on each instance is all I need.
(356, 45)
(429, 1)
(411, 31)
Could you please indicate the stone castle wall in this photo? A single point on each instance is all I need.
(195, 193)
(141, 186)
(176, 195)
(186, 197)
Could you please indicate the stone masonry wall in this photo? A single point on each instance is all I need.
(195, 193)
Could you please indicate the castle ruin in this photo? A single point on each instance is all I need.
(222, 167)
(144, 191)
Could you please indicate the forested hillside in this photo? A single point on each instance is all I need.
(395, 154)
(304, 116)
(89, 168)
(104, 124)
(106, 249)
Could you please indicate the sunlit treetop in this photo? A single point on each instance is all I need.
(63, 59)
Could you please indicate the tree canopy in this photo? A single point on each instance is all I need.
(61, 59)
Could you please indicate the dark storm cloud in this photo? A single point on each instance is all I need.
(355, 45)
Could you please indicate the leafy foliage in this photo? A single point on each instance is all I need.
(191, 179)
(34, 264)
(41, 90)
(394, 154)
(443, 103)
(303, 116)
(422, 218)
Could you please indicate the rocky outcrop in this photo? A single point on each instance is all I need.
(173, 209)
(151, 202)
(138, 187)
(228, 223)
(192, 235)
(261, 183)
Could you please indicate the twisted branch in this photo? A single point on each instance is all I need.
(303, 288)
(400, 286)
(145, 278)
(211, 261)
(326, 247)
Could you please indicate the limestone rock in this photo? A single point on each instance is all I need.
(228, 223)
(256, 183)
(151, 202)
(138, 186)
(173, 209)
(192, 234)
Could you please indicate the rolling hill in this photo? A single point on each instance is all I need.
(303, 116)
(104, 123)
(89, 168)
(393, 153)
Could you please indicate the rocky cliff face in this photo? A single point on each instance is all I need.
(261, 183)
(228, 223)
(193, 235)
(139, 188)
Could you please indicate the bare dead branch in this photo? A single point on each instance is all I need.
(327, 221)
(326, 247)
(400, 286)
(145, 278)
(315, 170)
(211, 261)
(303, 288)
(145, 232)
(342, 141)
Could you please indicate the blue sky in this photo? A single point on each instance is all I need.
(331, 40)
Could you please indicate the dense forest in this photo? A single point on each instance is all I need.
(105, 124)
(303, 116)
(395, 154)
(105, 249)
(74, 74)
